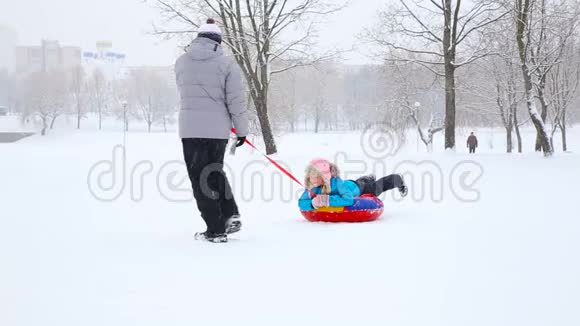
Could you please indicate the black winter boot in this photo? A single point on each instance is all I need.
(403, 189)
(233, 224)
(211, 237)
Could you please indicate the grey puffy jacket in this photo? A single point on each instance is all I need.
(211, 92)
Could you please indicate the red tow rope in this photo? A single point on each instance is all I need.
(281, 168)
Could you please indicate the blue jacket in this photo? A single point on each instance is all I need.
(342, 193)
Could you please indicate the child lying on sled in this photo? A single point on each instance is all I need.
(322, 178)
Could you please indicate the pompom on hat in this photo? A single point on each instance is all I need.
(209, 27)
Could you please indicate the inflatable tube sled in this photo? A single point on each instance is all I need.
(365, 209)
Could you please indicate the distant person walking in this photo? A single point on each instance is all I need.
(472, 143)
(212, 101)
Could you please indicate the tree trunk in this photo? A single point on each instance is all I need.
(149, 114)
(52, 121)
(261, 108)
(100, 118)
(164, 124)
(293, 119)
(449, 106)
(78, 116)
(522, 28)
(429, 141)
(509, 139)
(316, 119)
(517, 128)
(449, 58)
(125, 121)
(564, 145)
(543, 114)
(563, 130)
(44, 126)
(536, 118)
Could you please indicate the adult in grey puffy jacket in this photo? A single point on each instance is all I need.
(212, 102)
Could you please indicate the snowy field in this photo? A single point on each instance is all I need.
(486, 239)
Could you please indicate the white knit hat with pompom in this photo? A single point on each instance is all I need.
(209, 27)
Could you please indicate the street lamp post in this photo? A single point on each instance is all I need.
(125, 126)
(124, 103)
(417, 106)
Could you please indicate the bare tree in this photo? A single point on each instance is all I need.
(167, 107)
(44, 95)
(507, 103)
(503, 69)
(554, 24)
(363, 94)
(254, 31)
(540, 53)
(352, 99)
(432, 34)
(562, 87)
(409, 87)
(166, 102)
(142, 84)
(99, 92)
(319, 105)
(284, 98)
(321, 94)
(120, 101)
(523, 14)
(492, 91)
(78, 92)
(435, 125)
(152, 97)
(7, 89)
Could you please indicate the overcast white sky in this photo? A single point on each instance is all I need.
(128, 22)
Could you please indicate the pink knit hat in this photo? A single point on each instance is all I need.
(323, 166)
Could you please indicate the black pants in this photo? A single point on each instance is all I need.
(471, 150)
(368, 184)
(204, 159)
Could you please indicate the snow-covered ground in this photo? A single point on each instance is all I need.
(487, 239)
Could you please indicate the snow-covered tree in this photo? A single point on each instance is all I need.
(7, 90)
(284, 98)
(542, 31)
(100, 94)
(500, 84)
(78, 92)
(152, 97)
(441, 36)
(563, 82)
(43, 96)
(256, 33)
